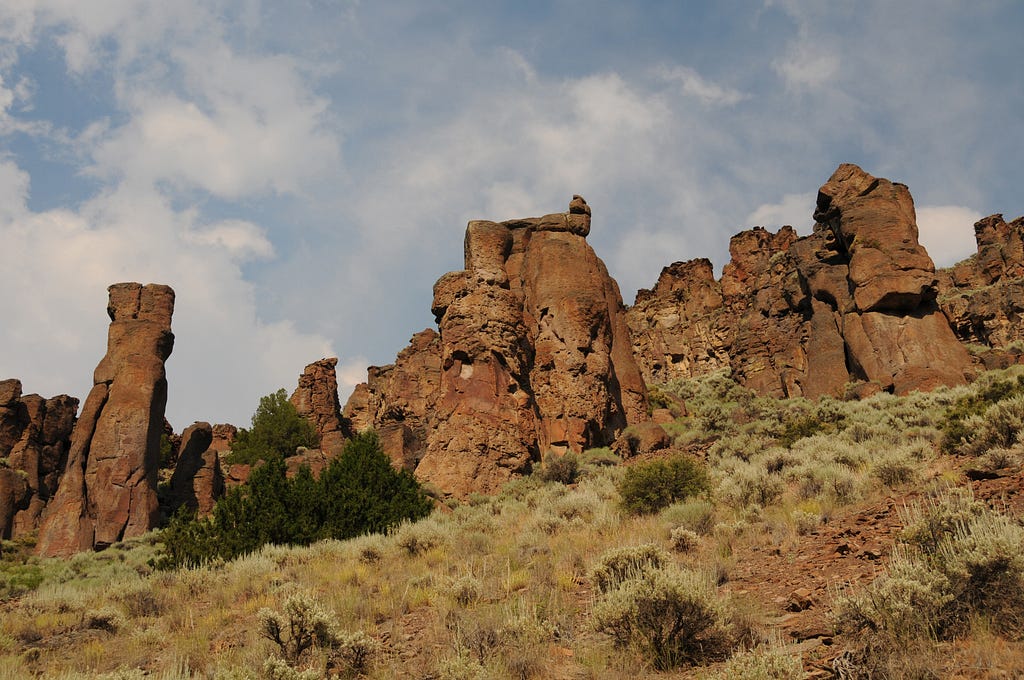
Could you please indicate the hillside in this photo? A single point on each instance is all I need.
(807, 505)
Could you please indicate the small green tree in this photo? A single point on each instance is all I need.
(649, 487)
(359, 492)
(277, 430)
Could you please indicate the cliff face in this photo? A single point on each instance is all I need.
(854, 301)
(983, 296)
(35, 435)
(108, 490)
(532, 357)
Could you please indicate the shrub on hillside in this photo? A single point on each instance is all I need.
(359, 492)
(277, 430)
(564, 469)
(651, 486)
(671, 616)
(952, 572)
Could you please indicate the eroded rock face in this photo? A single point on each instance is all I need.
(983, 296)
(316, 399)
(854, 301)
(197, 481)
(532, 356)
(108, 490)
(35, 435)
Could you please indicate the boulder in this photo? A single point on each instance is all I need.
(108, 490)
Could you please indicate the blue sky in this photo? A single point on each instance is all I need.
(301, 173)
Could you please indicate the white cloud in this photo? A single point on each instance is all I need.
(350, 371)
(225, 355)
(707, 92)
(795, 210)
(807, 64)
(947, 232)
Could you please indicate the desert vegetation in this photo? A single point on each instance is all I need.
(683, 565)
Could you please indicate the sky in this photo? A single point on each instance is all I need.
(302, 172)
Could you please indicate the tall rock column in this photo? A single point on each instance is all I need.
(535, 353)
(108, 491)
(316, 399)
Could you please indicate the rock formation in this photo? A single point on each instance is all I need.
(532, 357)
(854, 301)
(197, 481)
(35, 434)
(108, 490)
(983, 296)
(316, 399)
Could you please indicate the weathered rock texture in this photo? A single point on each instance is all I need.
(197, 481)
(316, 399)
(108, 490)
(983, 296)
(532, 356)
(35, 434)
(854, 301)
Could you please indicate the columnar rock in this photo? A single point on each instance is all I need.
(197, 481)
(108, 490)
(35, 435)
(316, 399)
(854, 301)
(532, 357)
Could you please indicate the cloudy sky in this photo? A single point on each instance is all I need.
(302, 172)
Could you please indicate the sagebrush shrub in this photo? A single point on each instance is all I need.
(620, 564)
(671, 616)
(651, 486)
(303, 623)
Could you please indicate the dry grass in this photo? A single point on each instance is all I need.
(499, 587)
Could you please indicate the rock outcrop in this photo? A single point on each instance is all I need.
(854, 301)
(197, 481)
(983, 296)
(316, 399)
(35, 434)
(532, 357)
(108, 490)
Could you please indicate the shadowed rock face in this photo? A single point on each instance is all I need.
(854, 301)
(108, 491)
(532, 356)
(197, 481)
(35, 435)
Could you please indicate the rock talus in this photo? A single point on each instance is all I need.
(108, 490)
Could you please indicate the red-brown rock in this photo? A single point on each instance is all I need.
(316, 399)
(533, 356)
(35, 435)
(108, 491)
(854, 301)
(197, 481)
